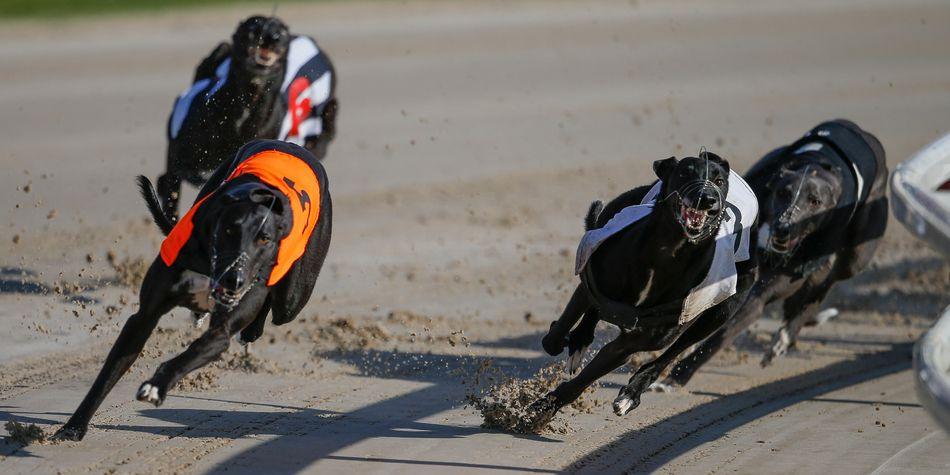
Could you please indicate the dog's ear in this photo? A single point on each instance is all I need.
(268, 198)
(776, 178)
(718, 160)
(664, 167)
(836, 171)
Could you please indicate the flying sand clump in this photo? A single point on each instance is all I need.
(506, 406)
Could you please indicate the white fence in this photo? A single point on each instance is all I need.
(919, 204)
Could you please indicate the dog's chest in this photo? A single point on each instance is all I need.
(194, 291)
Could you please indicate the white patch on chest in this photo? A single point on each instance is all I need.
(646, 288)
(198, 289)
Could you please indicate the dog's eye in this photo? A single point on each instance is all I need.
(720, 181)
(264, 238)
(814, 201)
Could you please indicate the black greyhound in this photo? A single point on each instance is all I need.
(642, 277)
(265, 84)
(250, 222)
(824, 208)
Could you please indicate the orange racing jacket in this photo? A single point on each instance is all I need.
(289, 174)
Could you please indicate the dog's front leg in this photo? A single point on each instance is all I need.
(252, 332)
(702, 327)
(556, 338)
(800, 308)
(609, 358)
(154, 301)
(207, 348)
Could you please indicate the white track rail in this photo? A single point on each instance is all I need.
(915, 199)
(925, 212)
(932, 370)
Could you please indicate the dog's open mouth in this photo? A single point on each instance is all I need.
(228, 298)
(782, 245)
(263, 57)
(694, 220)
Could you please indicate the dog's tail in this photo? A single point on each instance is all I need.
(154, 205)
(590, 222)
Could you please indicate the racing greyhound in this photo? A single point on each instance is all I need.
(667, 263)
(264, 84)
(824, 202)
(252, 244)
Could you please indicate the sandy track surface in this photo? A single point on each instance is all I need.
(472, 138)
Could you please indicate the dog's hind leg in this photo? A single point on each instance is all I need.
(208, 347)
(153, 303)
(556, 338)
(748, 314)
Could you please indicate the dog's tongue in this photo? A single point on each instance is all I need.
(694, 217)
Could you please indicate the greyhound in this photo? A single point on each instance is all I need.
(824, 202)
(264, 84)
(652, 275)
(252, 244)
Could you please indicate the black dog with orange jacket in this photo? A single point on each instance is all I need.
(252, 244)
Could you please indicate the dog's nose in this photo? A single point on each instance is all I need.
(233, 280)
(782, 230)
(707, 201)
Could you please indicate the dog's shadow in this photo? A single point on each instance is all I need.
(23, 281)
(287, 428)
(649, 448)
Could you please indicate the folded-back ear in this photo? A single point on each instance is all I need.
(718, 160)
(664, 167)
(267, 197)
(831, 168)
(776, 178)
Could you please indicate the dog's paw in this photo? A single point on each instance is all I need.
(629, 397)
(554, 342)
(539, 414)
(69, 433)
(780, 344)
(200, 318)
(665, 386)
(825, 315)
(625, 403)
(575, 358)
(148, 392)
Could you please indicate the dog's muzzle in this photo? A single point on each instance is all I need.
(782, 239)
(263, 56)
(230, 297)
(699, 209)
